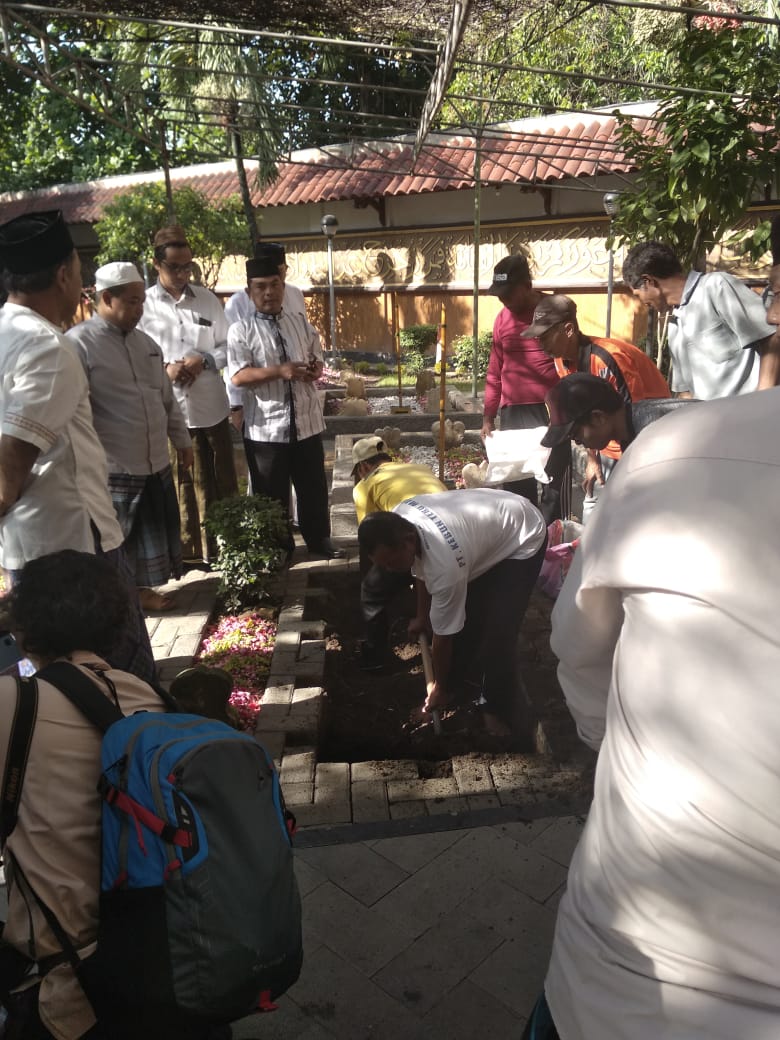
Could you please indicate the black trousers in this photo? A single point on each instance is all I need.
(274, 466)
(496, 603)
(555, 502)
(377, 591)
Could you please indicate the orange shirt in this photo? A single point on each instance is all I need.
(625, 367)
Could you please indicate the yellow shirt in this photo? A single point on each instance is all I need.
(391, 484)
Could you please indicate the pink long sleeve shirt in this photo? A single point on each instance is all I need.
(519, 371)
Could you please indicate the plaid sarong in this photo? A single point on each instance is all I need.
(148, 513)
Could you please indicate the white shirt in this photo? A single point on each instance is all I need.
(667, 634)
(133, 407)
(192, 325)
(239, 307)
(252, 344)
(711, 336)
(44, 400)
(463, 534)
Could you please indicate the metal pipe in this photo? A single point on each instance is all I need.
(442, 391)
(332, 294)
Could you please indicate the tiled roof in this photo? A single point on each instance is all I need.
(530, 151)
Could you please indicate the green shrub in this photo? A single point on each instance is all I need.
(382, 369)
(252, 533)
(361, 367)
(413, 364)
(418, 338)
(462, 351)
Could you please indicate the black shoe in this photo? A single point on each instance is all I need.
(327, 549)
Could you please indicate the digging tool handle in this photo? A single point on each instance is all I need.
(429, 678)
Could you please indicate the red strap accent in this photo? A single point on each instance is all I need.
(173, 866)
(142, 815)
(265, 1003)
(121, 878)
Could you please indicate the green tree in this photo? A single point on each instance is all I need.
(710, 155)
(130, 222)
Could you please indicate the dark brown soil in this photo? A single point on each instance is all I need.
(375, 715)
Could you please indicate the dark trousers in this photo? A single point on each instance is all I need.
(555, 502)
(274, 466)
(496, 603)
(377, 591)
(213, 476)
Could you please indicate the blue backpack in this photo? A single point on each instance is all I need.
(200, 918)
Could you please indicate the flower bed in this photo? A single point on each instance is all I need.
(241, 644)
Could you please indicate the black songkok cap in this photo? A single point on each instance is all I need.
(34, 241)
(265, 267)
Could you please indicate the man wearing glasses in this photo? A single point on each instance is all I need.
(719, 339)
(189, 324)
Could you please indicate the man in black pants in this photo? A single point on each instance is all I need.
(475, 556)
(277, 357)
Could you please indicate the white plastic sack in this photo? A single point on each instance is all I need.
(516, 454)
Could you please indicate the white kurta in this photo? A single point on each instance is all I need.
(668, 638)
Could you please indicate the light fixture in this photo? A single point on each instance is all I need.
(330, 225)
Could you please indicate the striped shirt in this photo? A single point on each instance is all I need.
(253, 343)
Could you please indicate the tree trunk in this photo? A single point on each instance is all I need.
(243, 184)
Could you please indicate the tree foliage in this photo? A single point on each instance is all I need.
(699, 173)
(214, 231)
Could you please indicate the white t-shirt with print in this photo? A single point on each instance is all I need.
(463, 534)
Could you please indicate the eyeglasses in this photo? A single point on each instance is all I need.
(768, 297)
(178, 268)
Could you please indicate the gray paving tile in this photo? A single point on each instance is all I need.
(468, 1011)
(513, 915)
(360, 871)
(440, 959)
(362, 937)
(352, 1007)
(514, 974)
(288, 1023)
(308, 877)
(415, 850)
(522, 831)
(559, 840)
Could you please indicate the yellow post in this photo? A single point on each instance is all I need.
(397, 345)
(443, 389)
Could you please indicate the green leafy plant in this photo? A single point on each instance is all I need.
(711, 151)
(417, 337)
(251, 533)
(413, 363)
(462, 351)
(382, 369)
(130, 222)
(361, 367)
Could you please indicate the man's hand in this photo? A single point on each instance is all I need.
(313, 370)
(593, 472)
(237, 417)
(436, 697)
(293, 371)
(488, 426)
(193, 366)
(186, 457)
(416, 626)
(178, 373)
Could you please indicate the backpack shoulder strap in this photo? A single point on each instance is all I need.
(22, 727)
(82, 694)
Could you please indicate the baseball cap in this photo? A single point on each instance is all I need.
(366, 448)
(34, 241)
(550, 310)
(119, 272)
(574, 397)
(512, 270)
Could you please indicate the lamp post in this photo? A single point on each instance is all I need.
(611, 203)
(330, 225)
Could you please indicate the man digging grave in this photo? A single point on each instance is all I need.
(475, 556)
